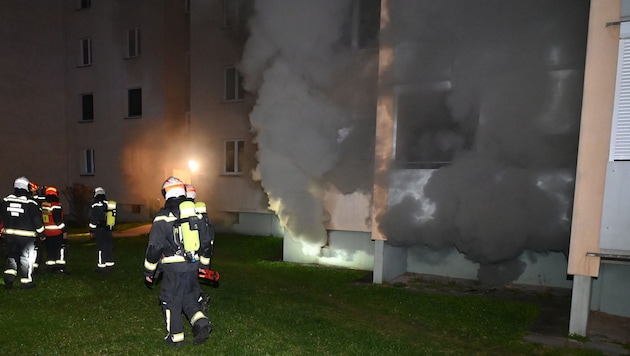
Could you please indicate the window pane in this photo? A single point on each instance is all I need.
(87, 107)
(229, 156)
(239, 156)
(89, 161)
(135, 102)
(86, 51)
(131, 39)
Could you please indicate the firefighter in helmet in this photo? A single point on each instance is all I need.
(101, 230)
(22, 220)
(55, 231)
(179, 243)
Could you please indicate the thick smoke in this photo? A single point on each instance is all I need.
(488, 97)
(510, 75)
(292, 62)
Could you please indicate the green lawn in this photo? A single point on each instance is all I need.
(262, 307)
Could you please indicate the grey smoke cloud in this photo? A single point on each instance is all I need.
(491, 87)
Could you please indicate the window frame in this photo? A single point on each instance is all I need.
(233, 82)
(134, 43)
(85, 46)
(233, 156)
(88, 164)
(130, 114)
(90, 118)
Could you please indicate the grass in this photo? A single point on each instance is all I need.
(262, 307)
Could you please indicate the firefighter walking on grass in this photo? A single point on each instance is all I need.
(22, 220)
(55, 230)
(179, 242)
(102, 220)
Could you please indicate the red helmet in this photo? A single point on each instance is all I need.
(52, 191)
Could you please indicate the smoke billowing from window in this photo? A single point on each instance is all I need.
(488, 100)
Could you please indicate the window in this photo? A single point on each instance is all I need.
(88, 162)
(362, 27)
(620, 138)
(84, 4)
(233, 156)
(86, 52)
(134, 102)
(87, 107)
(427, 134)
(233, 85)
(235, 15)
(133, 43)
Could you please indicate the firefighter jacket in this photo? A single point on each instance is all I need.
(98, 210)
(21, 215)
(52, 214)
(166, 247)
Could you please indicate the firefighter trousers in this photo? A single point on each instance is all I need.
(179, 293)
(20, 260)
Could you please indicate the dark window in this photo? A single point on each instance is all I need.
(233, 156)
(133, 43)
(88, 162)
(233, 85)
(87, 107)
(134, 99)
(86, 51)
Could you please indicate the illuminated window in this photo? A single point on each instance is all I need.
(86, 51)
(88, 162)
(87, 107)
(134, 102)
(233, 85)
(133, 43)
(233, 156)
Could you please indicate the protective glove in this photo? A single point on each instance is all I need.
(148, 281)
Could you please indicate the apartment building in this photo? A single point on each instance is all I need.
(124, 93)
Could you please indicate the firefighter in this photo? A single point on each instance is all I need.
(55, 231)
(171, 245)
(101, 231)
(23, 224)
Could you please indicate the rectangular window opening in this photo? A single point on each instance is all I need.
(87, 107)
(233, 156)
(233, 85)
(86, 52)
(88, 162)
(133, 43)
(134, 102)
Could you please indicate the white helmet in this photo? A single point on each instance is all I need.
(99, 191)
(22, 183)
(173, 187)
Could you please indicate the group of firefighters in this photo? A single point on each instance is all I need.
(179, 250)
